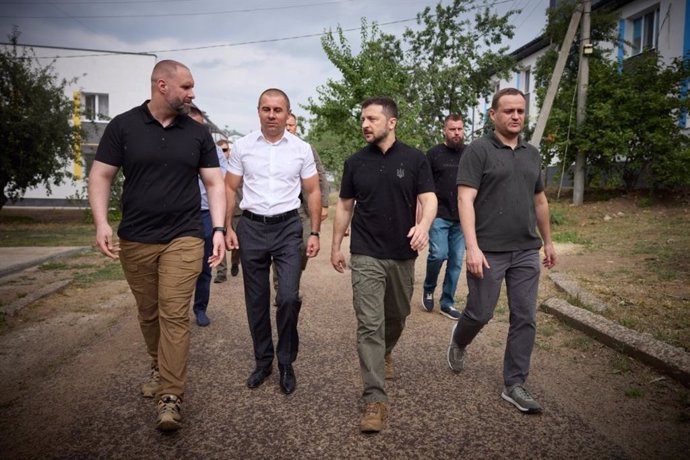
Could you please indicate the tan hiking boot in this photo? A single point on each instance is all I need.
(373, 417)
(388, 367)
(169, 416)
(153, 385)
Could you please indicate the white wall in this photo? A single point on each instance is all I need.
(124, 77)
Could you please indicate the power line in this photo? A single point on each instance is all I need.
(212, 13)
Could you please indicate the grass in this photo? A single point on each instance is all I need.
(633, 257)
(620, 364)
(634, 392)
(110, 272)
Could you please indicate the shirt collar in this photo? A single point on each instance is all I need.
(521, 144)
(284, 138)
(178, 122)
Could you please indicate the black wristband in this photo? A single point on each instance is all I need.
(316, 234)
(220, 229)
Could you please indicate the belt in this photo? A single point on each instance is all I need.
(270, 219)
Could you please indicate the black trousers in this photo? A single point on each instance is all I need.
(261, 245)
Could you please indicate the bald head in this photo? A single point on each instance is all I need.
(166, 70)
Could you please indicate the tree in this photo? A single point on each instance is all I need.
(376, 70)
(440, 69)
(631, 127)
(452, 60)
(36, 137)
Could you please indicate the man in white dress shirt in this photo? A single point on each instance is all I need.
(272, 165)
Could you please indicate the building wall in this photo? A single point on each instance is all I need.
(124, 77)
(672, 41)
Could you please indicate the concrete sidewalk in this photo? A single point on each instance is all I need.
(16, 259)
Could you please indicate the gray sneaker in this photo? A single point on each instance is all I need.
(519, 397)
(456, 355)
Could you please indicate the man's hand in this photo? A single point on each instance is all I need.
(338, 260)
(419, 237)
(218, 253)
(313, 246)
(105, 243)
(476, 261)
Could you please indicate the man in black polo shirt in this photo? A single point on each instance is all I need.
(502, 203)
(446, 242)
(387, 179)
(162, 152)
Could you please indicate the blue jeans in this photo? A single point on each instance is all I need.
(446, 242)
(203, 283)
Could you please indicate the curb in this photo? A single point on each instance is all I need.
(14, 307)
(671, 360)
(39, 260)
(566, 284)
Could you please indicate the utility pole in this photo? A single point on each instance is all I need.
(582, 85)
(556, 77)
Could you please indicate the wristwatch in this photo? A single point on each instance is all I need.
(220, 229)
(316, 234)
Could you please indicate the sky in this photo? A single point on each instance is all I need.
(235, 49)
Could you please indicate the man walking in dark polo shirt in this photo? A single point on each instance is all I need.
(446, 242)
(388, 180)
(271, 165)
(502, 203)
(162, 152)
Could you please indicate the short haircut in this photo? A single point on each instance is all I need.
(453, 117)
(166, 69)
(275, 92)
(292, 115)
(390, 108)
(194, 110)
(221, 142)
(505, 92)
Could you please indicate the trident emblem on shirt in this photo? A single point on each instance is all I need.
(401, 173)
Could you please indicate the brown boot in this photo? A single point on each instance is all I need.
(388, 367)
(373, 417)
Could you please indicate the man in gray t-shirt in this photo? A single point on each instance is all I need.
(501, 202)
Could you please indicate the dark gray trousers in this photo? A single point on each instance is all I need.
(520, 269)
(260, 245)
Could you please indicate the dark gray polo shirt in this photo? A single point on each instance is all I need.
(506, 181)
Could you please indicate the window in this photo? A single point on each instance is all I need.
(645, 32)
(95, 106)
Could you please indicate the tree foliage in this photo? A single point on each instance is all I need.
(36, 137)
(632, 119)
(430, 72)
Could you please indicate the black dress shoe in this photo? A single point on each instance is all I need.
(288, 382)
(234, 270)
(258, 377)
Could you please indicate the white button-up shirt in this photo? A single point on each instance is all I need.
(223, 169)
(271, 172)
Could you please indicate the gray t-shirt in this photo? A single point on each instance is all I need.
(506, 181)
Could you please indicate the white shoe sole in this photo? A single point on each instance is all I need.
(526, 410)
(450, 342)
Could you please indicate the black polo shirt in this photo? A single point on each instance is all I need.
(444, 167)
(160, 199)
(385, 188)
(506, 181)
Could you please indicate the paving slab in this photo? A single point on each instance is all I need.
(671, 360)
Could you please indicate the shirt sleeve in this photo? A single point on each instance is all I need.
(110, 146)
(308, 165)
(235, 161)
(347, 189)
(471, 167)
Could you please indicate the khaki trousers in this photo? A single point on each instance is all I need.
(381, 294)
(162, 278)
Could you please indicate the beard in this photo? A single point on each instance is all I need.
(455, 145)
(377, 138)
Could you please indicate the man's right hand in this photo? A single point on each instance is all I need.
(476, 261)
(105, 243)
